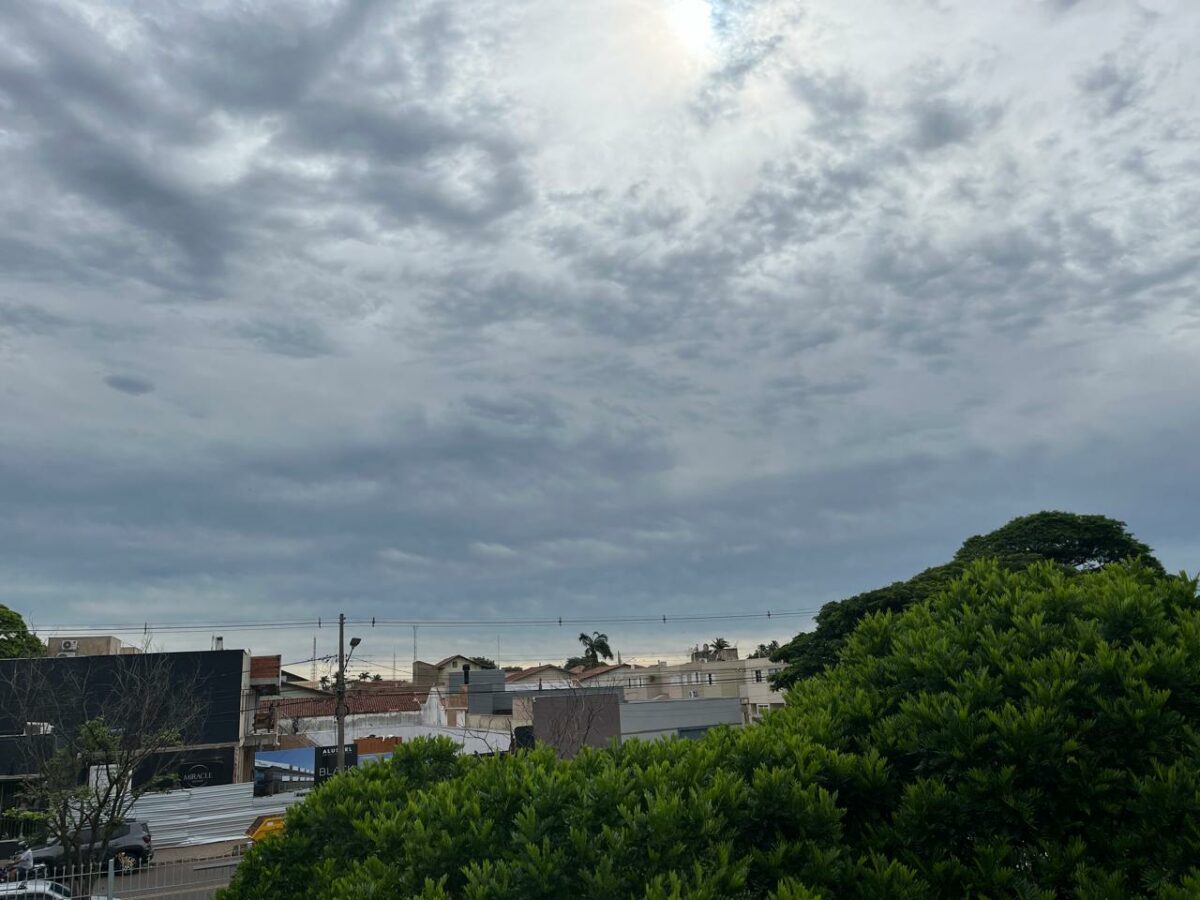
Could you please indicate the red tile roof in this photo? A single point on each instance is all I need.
(356, 703)
(529, 673)
(600, 670)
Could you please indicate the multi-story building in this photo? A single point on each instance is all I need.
(427, 675)
(42, 696)
(747, 679)
(540, 678)
(92, 645)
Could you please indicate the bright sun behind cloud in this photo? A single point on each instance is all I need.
(690, 22)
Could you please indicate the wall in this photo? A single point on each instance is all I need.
(424, 674)
(730, 678)
(322, 730)
(652, 719)
(218, 679)
(87, 646)
(552, 679)
(522, 701)
(486, 694)
(569, 720)
(206, 815)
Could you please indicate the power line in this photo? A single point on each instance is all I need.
(148, 628)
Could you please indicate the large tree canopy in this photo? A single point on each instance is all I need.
(1022, 734)
(15, 639)
(1074, 542)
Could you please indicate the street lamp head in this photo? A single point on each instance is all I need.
(354, 642)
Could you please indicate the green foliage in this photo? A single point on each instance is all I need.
(1027, 734)
(482, 662)
(1074, 542)
(595, 648)
(764, 650)
(15, 639)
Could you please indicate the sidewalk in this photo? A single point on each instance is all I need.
(194, 852)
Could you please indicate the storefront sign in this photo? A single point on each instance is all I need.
(325, 761)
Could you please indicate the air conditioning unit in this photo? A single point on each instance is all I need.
(70, 644)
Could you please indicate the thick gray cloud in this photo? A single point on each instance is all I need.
(129, 384)
(491, 310)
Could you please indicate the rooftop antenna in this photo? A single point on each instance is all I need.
(312, 672)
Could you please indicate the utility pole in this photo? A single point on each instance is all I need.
(340, 708)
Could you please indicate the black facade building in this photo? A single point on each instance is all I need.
(41, 695)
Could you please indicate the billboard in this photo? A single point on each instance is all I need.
(325, 761)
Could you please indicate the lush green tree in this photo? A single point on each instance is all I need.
(719, 644)
(595, 648)
(1083, 543)
(1074, 542)
(15, 639)
(482, 662)
(1023, 734)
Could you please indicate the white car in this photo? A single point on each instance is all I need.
(39, 888)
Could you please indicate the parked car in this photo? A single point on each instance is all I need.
(130, 846)
(38, 888)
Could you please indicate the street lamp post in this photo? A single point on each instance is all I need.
(340, 708)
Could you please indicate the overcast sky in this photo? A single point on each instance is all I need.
(589, 308)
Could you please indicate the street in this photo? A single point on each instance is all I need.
(171, 875)
(181, 879)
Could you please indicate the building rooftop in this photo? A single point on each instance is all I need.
(449, 659)
(533, 672)
(600, 670)
(357, 703)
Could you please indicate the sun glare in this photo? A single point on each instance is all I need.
(691, 22)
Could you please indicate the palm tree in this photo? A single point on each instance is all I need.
(714, 651)
(324, 681)
(595, 648)
(764, 651)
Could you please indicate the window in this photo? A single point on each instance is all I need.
(710, 677)
(758, 676)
